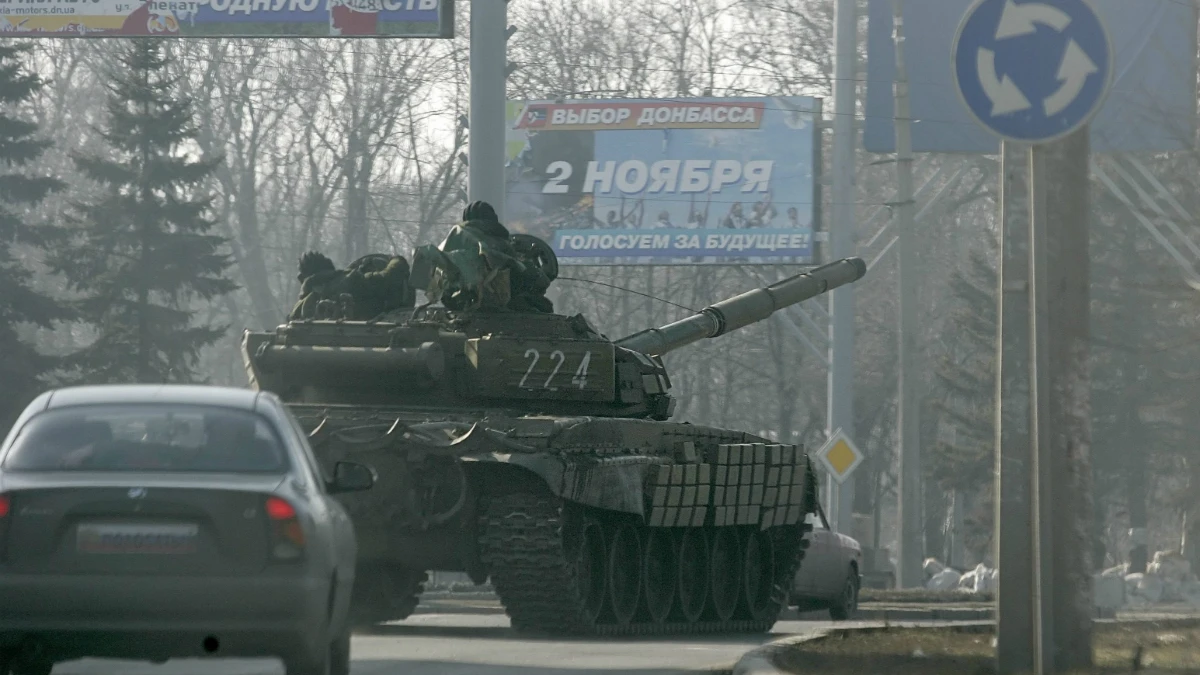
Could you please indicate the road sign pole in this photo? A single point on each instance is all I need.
(1040, 419)
(1060, 428)
(1014, 609)
(912, 538)
(840, 400)
(485, 139)
(1066, 493)
(1002, 63)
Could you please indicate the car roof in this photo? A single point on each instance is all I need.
(228, 397)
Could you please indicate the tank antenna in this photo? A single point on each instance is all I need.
(627, 290)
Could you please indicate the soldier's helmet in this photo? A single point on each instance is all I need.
(314, 263)
(483, 215)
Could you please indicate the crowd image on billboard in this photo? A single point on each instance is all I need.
(692, 180)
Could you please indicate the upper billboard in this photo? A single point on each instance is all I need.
(228, 18)
(665, 181)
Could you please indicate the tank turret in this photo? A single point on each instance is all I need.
(523, 446)
(531, 362)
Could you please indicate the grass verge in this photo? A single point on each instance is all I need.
(1144, 647)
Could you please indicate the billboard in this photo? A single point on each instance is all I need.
(1152, 107)
(665, 181)
(227, 18)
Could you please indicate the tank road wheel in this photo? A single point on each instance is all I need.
(625, 573)
(659, 574)
(724, 573)
(590, 569)
(758, 576)
(693, 574)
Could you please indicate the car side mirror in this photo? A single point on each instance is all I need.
(351, 477)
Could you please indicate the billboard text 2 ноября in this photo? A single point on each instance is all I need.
(706, 180)
(227, 18)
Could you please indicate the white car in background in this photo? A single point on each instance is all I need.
(830, 574)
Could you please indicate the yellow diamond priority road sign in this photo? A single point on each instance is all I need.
(839, 456)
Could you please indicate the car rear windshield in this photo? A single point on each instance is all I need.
(153, 437)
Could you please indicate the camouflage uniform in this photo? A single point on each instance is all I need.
(476, 267)
(362, 292)
(540, 268)
(479, 250)
(384, 287)
(328, 286)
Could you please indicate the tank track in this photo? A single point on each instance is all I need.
(529, 544)
(386, 594)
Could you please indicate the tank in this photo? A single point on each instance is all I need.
(529, 449)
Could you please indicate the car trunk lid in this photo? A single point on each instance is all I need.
(130, 524)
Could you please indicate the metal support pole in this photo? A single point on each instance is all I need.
(842, 244)
(1044, 607)
(1012, 500)
(912, 539)
(1040, 421)
(1067, 489)
(485, 140)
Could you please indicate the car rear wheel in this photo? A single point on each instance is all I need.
(847, 603)
(385, 593)
(334, 661)
(339, 655)
(14, 664)
(306, 665)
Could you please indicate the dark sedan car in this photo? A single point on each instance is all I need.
(830, 574)
(152, 522)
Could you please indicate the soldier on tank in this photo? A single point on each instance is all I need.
(321, 286)
(480, 266)
(361, 292)
(384, 286)
(541, 268)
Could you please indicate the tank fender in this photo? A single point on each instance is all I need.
(547, 470)
(614, 484)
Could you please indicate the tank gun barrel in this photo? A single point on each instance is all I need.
(745, 309)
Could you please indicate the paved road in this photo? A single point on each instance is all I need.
(468, 635)
(481, 643)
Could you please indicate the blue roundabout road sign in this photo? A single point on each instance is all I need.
(1032, 70)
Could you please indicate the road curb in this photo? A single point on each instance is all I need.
(904, 614)
(760, 660)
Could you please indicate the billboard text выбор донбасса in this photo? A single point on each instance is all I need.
(677, 181)
(227, 18)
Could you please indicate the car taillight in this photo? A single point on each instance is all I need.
(287, 533)
(5, 507)
(279, 509)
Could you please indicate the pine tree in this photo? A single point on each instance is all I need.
(1142, 401)
(143, 253)
(22, 367)
(965, 371)
(966, 374)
